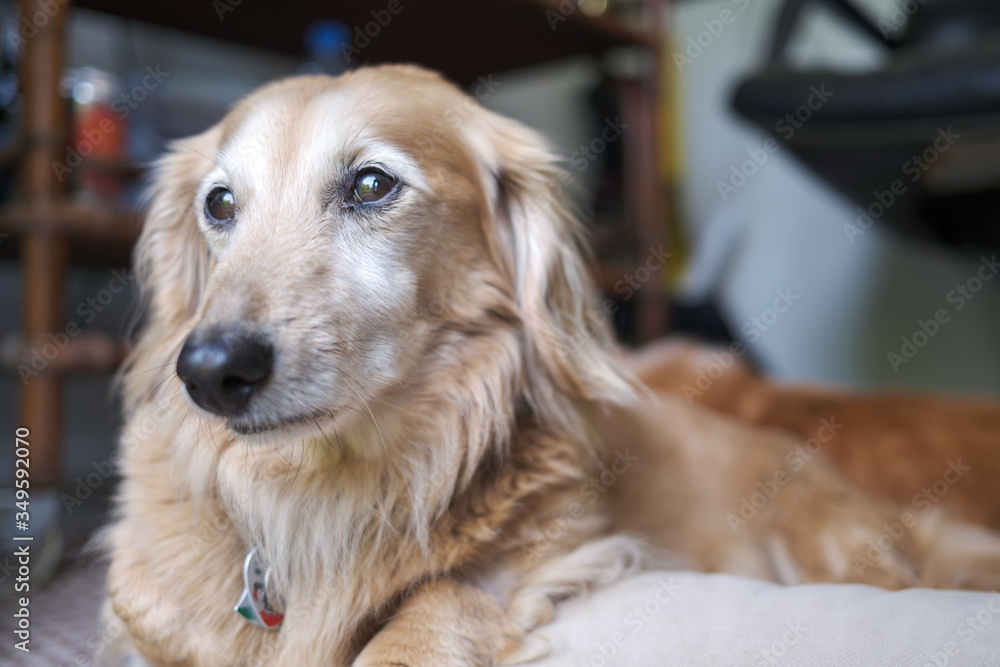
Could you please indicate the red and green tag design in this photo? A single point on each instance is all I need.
(254, 605)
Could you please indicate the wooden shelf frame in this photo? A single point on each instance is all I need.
(491, 36)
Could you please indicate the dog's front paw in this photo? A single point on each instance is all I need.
(444, 624)
(820, 530)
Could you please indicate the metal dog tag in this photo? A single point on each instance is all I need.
(254, 606)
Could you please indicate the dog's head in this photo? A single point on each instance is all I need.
(332, 238)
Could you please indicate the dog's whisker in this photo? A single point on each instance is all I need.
(372, 415)
(359, 389)
(302, 457)
(343, 453)
(148, 370)
(291, 465)
(194, 150)
(364, 126)
(339, 447)
(157, 386)
(400, 408)
(203, 427)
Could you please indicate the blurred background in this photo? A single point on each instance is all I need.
(822, 178)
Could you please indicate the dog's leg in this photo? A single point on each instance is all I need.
(820, 527)
(443, 623)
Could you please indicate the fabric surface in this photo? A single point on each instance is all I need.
(659, 619)
(689, 619)
(64, 621)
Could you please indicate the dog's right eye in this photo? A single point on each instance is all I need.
(220, 206)
(372, 185)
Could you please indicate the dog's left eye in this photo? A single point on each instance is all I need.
(372, 185)
(220, 206)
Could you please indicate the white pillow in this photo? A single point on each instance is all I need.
(685, 618)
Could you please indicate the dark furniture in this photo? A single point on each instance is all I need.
(915, 143)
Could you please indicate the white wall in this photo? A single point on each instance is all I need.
(856, 300)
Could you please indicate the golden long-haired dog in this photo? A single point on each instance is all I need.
(372, 404)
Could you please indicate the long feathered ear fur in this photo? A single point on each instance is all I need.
(171, 262)
(540, 246)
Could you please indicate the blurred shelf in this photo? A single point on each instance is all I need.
(491, 35)
(610, 276)
(76, 220)
(97, 233)
(82, 251)
(86, 353)
(125, 169)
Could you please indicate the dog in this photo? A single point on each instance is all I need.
(898, 445)
(371, 406)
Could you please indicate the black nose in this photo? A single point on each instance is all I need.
(223, 367)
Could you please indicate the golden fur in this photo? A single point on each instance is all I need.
(893, 444)
(423, 471)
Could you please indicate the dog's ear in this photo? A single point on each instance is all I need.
(171, 261)
(541, 248)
